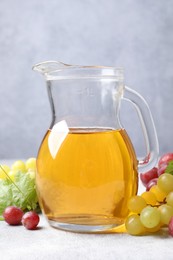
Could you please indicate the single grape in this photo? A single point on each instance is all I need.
(136, 204)
(5, 168)
(160, 195)
(13, 215)
(170, 227)
(149, 197)
(150, 217)
(151, 184)
(162, 169)
(19, 166)
(169, 199)
(165, 159)
(166, 212)
(12, 174)
(154, 229)
(148, 176)
(165, 182)
(133, 225)
(31, 164)
(30, 220)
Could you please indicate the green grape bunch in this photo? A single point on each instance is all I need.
(153, 209)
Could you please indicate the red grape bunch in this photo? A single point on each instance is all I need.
(150, 178)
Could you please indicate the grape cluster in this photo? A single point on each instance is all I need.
(26, 167)
(153, 209)
(14, 215)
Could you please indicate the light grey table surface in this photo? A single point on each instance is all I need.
(48, 243)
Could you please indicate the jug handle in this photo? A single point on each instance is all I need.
(148, 128)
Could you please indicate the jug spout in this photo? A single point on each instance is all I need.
(49, 66)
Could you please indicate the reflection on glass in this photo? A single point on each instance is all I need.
(57, 136)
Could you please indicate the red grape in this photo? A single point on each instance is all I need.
(165, 159)
(162, 169)
(13, 215)
(151, 183)
(148, 176)
(30, 220)
(170, 227)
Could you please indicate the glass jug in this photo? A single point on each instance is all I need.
(87, 168)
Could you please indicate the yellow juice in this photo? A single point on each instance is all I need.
(90, 178)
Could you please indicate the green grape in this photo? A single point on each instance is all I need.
(31, 164)
(169, 199)
(19, 166)
(133, 225)
(160, 195)
(5, 168)
(149, 197)
(154, 229)
(165, 182)
(166, 212)
(150, 217)
(11, 174)
(136, 204)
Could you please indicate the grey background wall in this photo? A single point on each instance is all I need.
(135, 34)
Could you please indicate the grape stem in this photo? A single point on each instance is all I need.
(15, 186)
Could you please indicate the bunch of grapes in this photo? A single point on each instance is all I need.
(26, 167)
(150, 178)
(153, 209)
(14, 215)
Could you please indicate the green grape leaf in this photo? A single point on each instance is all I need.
(20, 193)
(169, 168)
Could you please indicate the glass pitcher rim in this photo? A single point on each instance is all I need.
(55, 69)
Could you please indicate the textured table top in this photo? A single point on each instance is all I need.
(48, 243)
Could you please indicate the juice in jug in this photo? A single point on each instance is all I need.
(90, 178)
